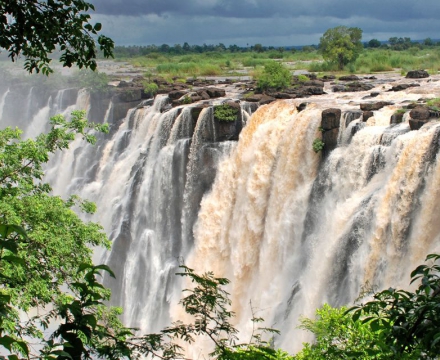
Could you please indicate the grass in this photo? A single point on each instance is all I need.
(228, 64)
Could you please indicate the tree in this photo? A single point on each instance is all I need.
(374, 43)
(394, 324)
(274, 76)
(338, 336)
(258, 48)
(407, 322)
(341, 45)
(36, 28)
(46, 256)
(428, 42)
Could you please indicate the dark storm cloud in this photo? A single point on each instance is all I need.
(269, 22)
(390, 10)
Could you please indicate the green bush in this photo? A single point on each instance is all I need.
(150, 88)
(274, 76)
(225, 112)
(318, 145)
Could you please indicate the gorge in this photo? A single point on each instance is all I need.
(289, 227)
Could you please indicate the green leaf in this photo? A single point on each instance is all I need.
(105, 268)
(97, 27)
(6, 341)
(14, 259)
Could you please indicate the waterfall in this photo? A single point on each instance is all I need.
(290, 228)
(293, 233)
(2, 102)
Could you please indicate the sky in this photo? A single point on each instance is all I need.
(266, 22)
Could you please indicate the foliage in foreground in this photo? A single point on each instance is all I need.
(34, 29)
(395, 324)
(49, 293)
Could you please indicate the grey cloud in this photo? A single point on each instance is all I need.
(283, 31)
(390, 10)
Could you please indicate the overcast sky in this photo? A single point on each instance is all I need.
(269, 22)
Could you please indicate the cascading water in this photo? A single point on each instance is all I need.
(293, 234)
(289, 228)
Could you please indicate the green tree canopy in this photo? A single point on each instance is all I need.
(36, 28)
(374, 43)
(341, 45)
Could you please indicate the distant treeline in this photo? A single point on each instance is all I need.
(394, 43)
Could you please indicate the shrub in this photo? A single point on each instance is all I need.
(150, 88)
(274, 76)
(318, 145)
(225, 112)
(302, 78)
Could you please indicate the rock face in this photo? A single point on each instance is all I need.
(401, 87)
(262, 99)
(417, 74)
(229, 130)
(397, 118)
(330, 120)
(349, 78)
(352, 87)
(419, 117)
(367, 115)
(420, 113)
(371, 106)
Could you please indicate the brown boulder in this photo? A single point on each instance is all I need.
(349, 78)
(367, 115)
(420, 113)
(417, 74)
(215, 92)
(401, 87)
(416, 124)
(374, 105)
(176, 94)
(260, 98)
(330, 119)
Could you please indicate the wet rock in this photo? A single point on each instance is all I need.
(401, 87)
(328, 78)
(314, 83)
(338, 88)
(367, 115)
(330, 139)
(353, 87)
(176, 94)
(215, 92)
(281, 95)
(302, 106)
(228, 129)
(203, 94)
(313, 90)
(349, 78)
(123, 84)
(417, 74)
(260, 98)
(128, 95)
(374, 105)
(330, 119)
(397, 118)
(420, 113)
(416, 124)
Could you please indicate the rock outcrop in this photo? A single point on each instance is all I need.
(330, 121)
(417, 74)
